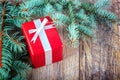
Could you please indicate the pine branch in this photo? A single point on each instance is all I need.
(15, 44)
(4, 74)
(3, 16)
(2, 28)
(102, 3)
(6, 58)
(71, 12)
(73, 34)
(21, 69)
(60, 19)
(6, 63)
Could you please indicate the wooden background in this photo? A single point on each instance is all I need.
(98, 60)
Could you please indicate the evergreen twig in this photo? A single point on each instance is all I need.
(1, 30)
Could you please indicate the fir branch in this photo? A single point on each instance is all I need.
(3, 16)
(76, 3)
(19, 77)
(102, 3)
(71, 13)
(6, 63)
(4, 74)
(21, 69)
(87, 31)
(2, 28)
(16, 2)
(81, 15)
(48, 10)
(6, 58)
(58, 7)
(14, 42)
(73, 34)
(60, 19)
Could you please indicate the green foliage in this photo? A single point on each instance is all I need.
(80, 18)
(74, 37)
(6, 64)
(102, 3)
(13, 47)
(11, 52)
(60, 19)
(21, 69)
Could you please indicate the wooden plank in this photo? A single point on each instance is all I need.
(96, 57)
(82, 62)
(116, 52)
(88, 60)
(85, 61)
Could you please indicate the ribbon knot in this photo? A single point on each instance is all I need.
(39, 27)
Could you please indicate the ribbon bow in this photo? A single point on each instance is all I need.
(39, 27)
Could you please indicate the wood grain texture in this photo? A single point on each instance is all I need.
(98, 59)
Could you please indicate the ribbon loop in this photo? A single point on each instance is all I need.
(40, 26)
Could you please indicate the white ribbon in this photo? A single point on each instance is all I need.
(40, 25)
(40, 32)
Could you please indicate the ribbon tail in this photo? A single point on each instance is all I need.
(49, 27)
(34, 37)
(32, 31)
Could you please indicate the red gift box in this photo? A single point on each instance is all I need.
(44, 43)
